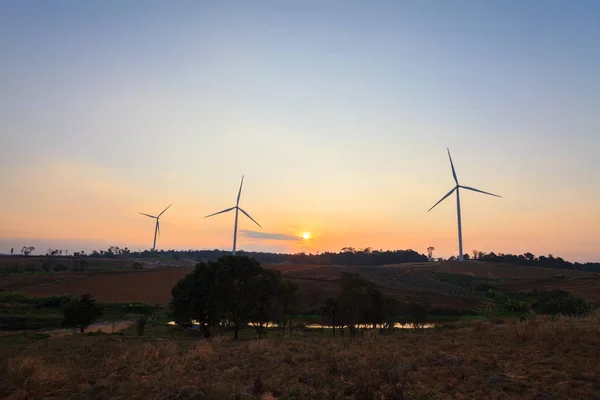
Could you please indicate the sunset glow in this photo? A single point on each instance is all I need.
(338, 117)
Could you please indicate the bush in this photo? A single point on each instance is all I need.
(81, 313)
(140, 326)
(54, 301)
(60, 267)
(556, 302)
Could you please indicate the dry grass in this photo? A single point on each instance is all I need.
(539, 359)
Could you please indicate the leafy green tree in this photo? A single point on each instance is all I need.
(195, 298)
(230, 292)
(81, 313)
(264, 288)
(287, 302)
(416, 314)
(235, 290)
(330, 312)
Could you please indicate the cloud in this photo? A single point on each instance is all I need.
(268, 236)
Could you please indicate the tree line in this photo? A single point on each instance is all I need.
(529, 259)
(236, 292)
(346, 256)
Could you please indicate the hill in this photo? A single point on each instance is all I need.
(443, 285)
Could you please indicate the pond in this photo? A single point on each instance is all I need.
(397, 325)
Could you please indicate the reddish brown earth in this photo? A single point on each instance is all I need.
(152, 286)
(407, 282)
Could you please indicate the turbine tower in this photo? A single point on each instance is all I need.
(237, 208)
(157, 226)
(457, 189)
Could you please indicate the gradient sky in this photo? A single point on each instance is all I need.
(338, 113)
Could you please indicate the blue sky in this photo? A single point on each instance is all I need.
(338, 113)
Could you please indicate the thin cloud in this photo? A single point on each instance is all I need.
(268, 236)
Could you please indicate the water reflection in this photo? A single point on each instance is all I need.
(397, 325)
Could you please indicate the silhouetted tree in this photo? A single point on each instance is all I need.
(430, 253)
(81, 313)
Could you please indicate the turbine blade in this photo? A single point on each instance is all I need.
(452, 165)
(480, 191)
(240, 192)
(220, 212)
(442, 199)
(158, 226)
(147, 215)
(248, 215)
(163, 211)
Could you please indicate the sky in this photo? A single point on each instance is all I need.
(338, 113)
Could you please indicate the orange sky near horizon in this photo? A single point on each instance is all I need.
(86, 205)
(339, 117)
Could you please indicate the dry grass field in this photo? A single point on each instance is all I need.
(537, 359)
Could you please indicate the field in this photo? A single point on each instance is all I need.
(537, 359)
(449, 285)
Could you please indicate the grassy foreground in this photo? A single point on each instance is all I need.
(537, 359)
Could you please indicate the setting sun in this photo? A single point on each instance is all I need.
(306, 235)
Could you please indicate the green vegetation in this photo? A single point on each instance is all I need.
(553, 302)
(81, 313)
(235, 292)
(18, 311)
(231, 292)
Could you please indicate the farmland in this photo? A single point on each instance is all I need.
(448, 284)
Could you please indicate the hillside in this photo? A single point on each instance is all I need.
(440, 284)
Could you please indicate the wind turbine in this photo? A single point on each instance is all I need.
(157, 227)
(457, 188)
(237, 208)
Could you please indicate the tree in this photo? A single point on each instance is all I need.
(231, 292)
(416, 314)
(286, 303)
(430, 250)
(235, 297)
(195, 298)
(264, 288)
(27, 250)
(81, 313)
(329, 312)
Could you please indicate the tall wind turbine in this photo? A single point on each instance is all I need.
(237, 208)
(157, 226)
(457, 188)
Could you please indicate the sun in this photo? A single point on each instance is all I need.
(306, 235)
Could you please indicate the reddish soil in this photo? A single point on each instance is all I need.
(152, 286)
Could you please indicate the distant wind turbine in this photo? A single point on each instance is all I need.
(157, 227)
(237, 208)
(457, 187)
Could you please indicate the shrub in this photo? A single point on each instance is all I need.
(60, 267)
(141, 326)
(556, 302)
(81, 313)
